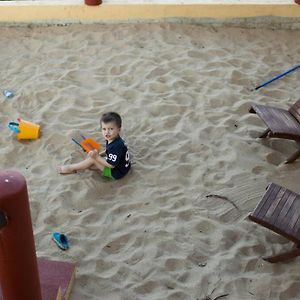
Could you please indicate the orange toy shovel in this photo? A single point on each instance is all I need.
(87, 144)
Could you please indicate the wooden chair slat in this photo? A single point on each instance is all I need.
(282, 218)
(266, 202)
(285, 224)
(296, 229)
(281, 123)
(292, 217)
(295, 110)
(279, 211)
(275, 216)
(275, 202)
(297, 233)
(293, 228)
(284, 208)
(262, 202)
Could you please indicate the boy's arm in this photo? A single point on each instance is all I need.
(101, 160)
(102, 153)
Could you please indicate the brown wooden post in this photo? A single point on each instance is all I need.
(19, 278)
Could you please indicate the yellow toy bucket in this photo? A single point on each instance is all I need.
(26, 130)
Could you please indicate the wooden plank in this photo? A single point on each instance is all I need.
(297, 234)
(279, 207)
(279, 211)
(262, 201)
(271, 227)
(289, 217)
(293, 216)
(283, 256)
(282, 221)
(266, 201)
(295, 110)
(293, 230)
(280, 121)
(296, 229)
(291, 122)
(274, 204)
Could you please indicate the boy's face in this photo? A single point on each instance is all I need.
(110, 131)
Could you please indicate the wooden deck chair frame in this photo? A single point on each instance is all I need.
(279, 211)
(281, 123)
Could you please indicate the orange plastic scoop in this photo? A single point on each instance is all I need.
(88, 144)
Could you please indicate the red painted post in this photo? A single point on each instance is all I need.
(93, 2)
(19, 278)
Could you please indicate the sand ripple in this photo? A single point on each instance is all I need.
(184, 93)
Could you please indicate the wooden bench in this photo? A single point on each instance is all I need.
(281, 123)
(279, 211)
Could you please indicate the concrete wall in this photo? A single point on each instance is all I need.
(75, 11)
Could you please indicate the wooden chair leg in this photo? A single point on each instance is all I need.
(293, 157)
(265, 133)
(283, 256)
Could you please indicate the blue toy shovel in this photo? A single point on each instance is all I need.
(277, 77)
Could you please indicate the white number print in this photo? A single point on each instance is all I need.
(112, 157)
(127, 158)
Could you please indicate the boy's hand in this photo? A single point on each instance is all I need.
(93, 153)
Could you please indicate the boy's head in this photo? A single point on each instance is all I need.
(111, 124)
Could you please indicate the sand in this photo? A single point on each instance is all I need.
(183, 92)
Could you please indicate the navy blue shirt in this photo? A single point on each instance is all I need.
(117, 155)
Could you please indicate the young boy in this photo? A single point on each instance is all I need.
(116, 164)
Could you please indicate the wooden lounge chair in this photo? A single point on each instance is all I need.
(279, 210)
(280, 123)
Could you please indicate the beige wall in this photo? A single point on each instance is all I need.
(75, 11)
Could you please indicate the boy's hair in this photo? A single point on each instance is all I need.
(111, 117)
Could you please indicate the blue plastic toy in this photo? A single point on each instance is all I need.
(61, 240)
(8, 93)
(14, 127)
